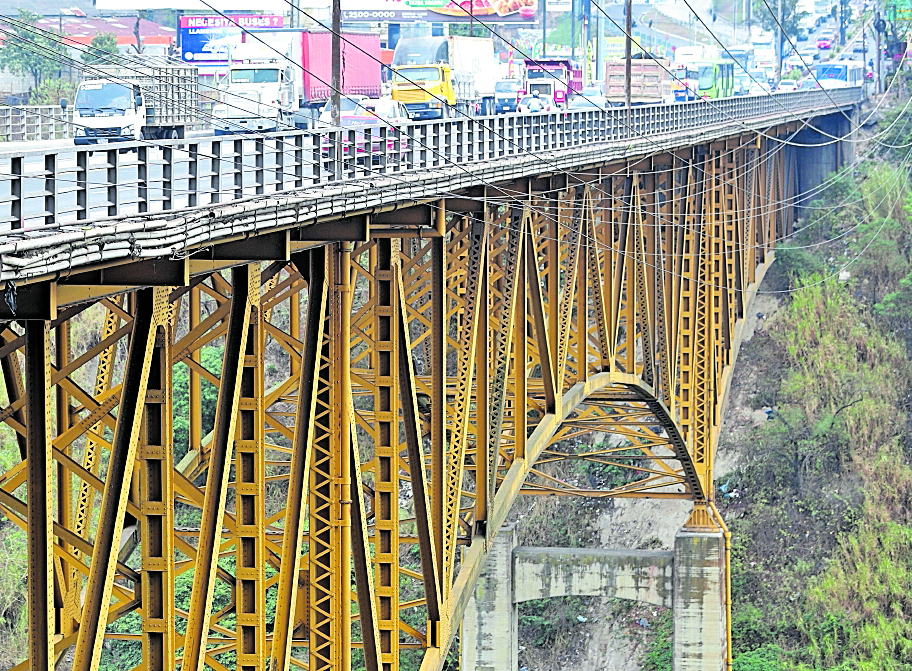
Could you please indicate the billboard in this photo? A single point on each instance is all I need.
(558, 5)
(205, 40)
(442, 11)
(194, 5)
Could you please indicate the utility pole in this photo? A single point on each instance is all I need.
(599, 29)
(336, 61)
(779, 42)
(748, 7)
(544, 5)
(879, 57)
(628, 30)
(572, 30)
(586, 50)
(864, 51)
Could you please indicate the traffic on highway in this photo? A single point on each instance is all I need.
(147, 114)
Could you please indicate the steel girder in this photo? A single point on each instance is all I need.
(299, 463)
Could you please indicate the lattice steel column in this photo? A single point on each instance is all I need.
(97, 600)
(330, 582)
(387, 447)
(244, 284)
(250, 492)
(313, 266)
(40, 510)
(155, 461)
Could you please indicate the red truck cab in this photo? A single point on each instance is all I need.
(559, 78)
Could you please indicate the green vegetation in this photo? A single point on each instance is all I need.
(823, 523)
(544, 622)
(27, 52)
(791, 16)
(103, 46)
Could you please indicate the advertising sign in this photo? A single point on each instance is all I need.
(205, 39)
(194, 5)
(443, 11)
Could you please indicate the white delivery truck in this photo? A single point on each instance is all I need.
(142, 97)
(279, 79)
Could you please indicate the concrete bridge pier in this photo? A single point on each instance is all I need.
(700, 627)
(691, 580)
(489, 626)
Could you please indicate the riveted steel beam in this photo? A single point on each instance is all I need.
(244, 285)
(313, 266)
(40, 511)
(117, 482)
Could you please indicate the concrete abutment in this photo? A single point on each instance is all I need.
(690, 579)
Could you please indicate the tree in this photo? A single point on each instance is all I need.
(30, 51)
(765, 12)
(103, 46)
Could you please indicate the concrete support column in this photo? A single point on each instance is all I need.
(490, 622)
(700, 638)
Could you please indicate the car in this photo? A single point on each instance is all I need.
(392, 111)
(758, 88)
(802, 35)
(858, 47)
(807, 84)
(347, 105)
(824, 42)
(591, 92)
(505, 95)
(583, 103)
(742, 85)
(797, 61)
(786, 86)
(810, 54)
(547, 104)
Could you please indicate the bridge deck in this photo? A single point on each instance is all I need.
(53, 228)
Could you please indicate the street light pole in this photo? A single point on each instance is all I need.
(628, 30)
(879, 56)
(336, 56)
(779, 42)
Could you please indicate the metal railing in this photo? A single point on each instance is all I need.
(39, 188)
(35, 122)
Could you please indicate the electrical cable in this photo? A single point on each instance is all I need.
(53, 35)
(216, 10)
(440, 99)
(805, 123)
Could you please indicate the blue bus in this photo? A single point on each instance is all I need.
(840, 75)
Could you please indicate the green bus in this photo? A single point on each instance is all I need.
(716, 78)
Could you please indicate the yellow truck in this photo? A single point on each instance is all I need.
(440, 77)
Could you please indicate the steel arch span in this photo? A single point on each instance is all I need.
(294, 454)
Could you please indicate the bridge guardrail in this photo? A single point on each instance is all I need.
(35, 122)
(39, 188)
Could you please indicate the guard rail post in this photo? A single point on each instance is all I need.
(82, 184)
(111, 182)
(167, 176)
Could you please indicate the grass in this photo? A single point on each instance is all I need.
(820, 566)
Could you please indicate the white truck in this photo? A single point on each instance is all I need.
(279, 79)
(258, 93)
(142, 97)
